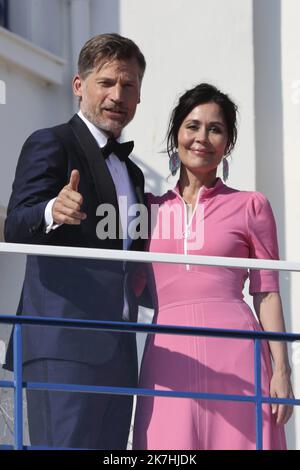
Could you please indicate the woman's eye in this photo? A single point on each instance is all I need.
(215, 129)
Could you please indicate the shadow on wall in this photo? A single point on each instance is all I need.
(154, 182)
(2, 219)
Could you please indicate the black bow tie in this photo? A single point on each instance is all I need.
(121, 150)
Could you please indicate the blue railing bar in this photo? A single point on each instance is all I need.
(149, 328)
(18, 386)
(150, 392)
(7, 384)
(58, 448)
(136, 391)
(147, 257)
(10, 447)
(258, 396)
(281, 401)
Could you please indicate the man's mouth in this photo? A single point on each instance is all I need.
(114, 112)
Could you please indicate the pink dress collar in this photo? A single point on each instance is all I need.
(204, 192)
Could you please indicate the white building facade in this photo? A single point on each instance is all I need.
(248, 48)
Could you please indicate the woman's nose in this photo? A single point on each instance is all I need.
(202, 135)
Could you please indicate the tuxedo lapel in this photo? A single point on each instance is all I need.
(137, 181)
(104, 185)
(103, 181)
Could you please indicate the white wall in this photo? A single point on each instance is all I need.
(186, 43)
(277, 116)
(290, 177)
(39, 21)
(31, 103)
(249, 48)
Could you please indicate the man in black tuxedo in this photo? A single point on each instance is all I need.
(63, 177)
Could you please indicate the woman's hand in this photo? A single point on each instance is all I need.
(268, 307)
(281, 387)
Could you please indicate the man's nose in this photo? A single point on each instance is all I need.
(117, 94)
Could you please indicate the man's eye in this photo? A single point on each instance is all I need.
(104, 83)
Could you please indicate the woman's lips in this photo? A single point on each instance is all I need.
(201, 151)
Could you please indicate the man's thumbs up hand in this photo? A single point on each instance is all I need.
(67, 206)
(74, 180)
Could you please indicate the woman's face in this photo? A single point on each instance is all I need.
(202, 138)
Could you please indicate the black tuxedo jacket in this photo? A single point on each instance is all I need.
(65, 287)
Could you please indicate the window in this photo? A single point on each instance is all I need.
(4, 13)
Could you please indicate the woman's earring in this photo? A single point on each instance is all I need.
(225, 169)
(174, 163)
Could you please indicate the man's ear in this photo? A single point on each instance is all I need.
(77, 85)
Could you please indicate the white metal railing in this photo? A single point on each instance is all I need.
(134, 256)
(146, 257)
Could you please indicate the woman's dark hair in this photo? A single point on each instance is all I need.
(201, 94)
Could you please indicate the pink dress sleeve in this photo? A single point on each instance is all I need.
(263, 243)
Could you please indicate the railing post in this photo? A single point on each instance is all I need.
(258, 394)
(18, 388)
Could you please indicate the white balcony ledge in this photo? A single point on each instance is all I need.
(33, 59)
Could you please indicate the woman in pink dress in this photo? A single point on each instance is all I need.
(203, 216)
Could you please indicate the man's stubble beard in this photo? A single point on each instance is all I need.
(110, 127)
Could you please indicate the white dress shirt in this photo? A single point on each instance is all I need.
(123, 186)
